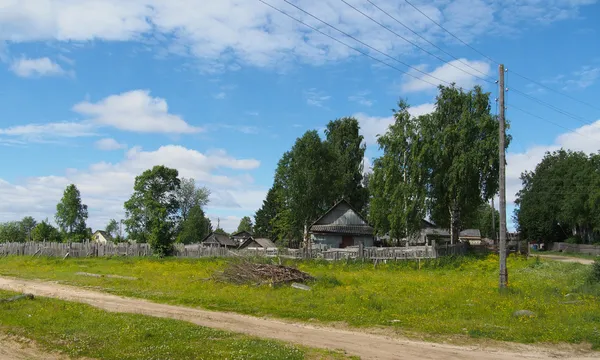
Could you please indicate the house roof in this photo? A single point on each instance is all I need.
(471, 233)
(104, 234)
(262, 242)
(350, 229)
(443, 232)
(220, 239)
(242, 233)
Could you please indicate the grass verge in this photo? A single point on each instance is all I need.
(442, 297)
(567, 254)
(80, 330)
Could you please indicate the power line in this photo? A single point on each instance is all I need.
(426, 40)
(407, 40)
(357, 40)
(349, 46)
(557, 109)
(549, 121)
(451, 34)
(553, 90)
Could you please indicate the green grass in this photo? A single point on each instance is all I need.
(568, 254)
(81, 330)
(445, 297)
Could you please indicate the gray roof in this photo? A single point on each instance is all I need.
(243, 234)
(471, 233)
(106, 235)
(265, 243)
(220, 239)
(343, 229)
(444, 232)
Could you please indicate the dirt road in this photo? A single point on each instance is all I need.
(14, 349)
(567, 259)
(367, 346)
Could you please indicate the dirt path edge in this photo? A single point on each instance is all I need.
(365, 345)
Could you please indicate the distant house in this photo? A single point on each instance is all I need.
(218, 240)
(101, 237)
(341, 226)
(258, 243)
(241, 236)
(429, 234)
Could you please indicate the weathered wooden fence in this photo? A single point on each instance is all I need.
(577, 248)
(90, 249)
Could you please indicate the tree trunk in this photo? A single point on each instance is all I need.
(454, 223)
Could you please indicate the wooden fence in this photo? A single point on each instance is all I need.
(90, 249)
(577, 248)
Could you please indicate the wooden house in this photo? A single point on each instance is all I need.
(241, 236)
(258, 243)
(341, 226)
(218, 240)
(101, 237)
(428, 234)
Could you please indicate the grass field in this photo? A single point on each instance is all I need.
(81, 330)
(445, 297)
(569, 254)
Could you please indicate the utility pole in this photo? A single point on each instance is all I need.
(493, 221)
(503, 270)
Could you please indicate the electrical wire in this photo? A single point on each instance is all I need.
(357, 40)
(557, 109)
(343, 43)
(414, 44)
(549, 121)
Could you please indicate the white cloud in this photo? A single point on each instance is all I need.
(373, 126)
(584, 139)
(135, 111)
(315, 97)
(105, 186)
(361, 98)
(245, 32)
(41, 132)
(220, 96)
(24, 67)
(451, 72)
(583, 78)
(109, 144)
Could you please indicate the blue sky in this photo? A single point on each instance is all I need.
(94, 92)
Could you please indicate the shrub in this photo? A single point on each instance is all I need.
(574, 240)
(596, 271)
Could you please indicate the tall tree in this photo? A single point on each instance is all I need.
(482, 220)
(219, 230)
(264, 217)
(113, 228)
(152, 210)
(398, 183)
(12, 231)
(348, 151)
(245, 224)
(71, 214)
(27, 225)
(189, 195)
(195, 227)
(46, 232)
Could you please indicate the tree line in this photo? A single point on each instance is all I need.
(560, 199)
(162, 210)
(443, 165)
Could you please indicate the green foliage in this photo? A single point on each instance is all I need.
(11, 232)
(113, 228)
(264, 217)
(71, 215)
(596, 271)
(27, 224)
(195, 227)
(245, 224)
(152, 210)
(221, 231)
(482, 220)
(574, 240)
(46, 232)
(190, 196)
(83, 331)
(461, 293)
(560, 198)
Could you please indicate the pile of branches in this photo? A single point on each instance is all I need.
(246, 272)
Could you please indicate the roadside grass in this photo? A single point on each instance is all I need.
(568, 254)
(440, 298)
(80, 330)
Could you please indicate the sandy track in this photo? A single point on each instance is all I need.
(367, 346)
(12, 349)
(567, 259)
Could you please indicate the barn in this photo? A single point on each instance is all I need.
(341, 226)
(219, 240)
(241, 236)
(258, 243)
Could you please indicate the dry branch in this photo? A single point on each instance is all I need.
(246, 272)
(17, 297)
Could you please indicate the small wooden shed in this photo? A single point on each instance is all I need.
(341, 226)
(258, 243)
(241, 236)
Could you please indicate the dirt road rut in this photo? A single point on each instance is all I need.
(367, 346)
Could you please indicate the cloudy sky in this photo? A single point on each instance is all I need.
(93, 92)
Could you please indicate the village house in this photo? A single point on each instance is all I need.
(241, 236)
(341, 226)
(101, 237)
(430, 232)
(218, 240)
(257, 244)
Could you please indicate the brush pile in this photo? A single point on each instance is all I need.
(246, 272)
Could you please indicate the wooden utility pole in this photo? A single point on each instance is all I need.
(503, 270)
(493, 222)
